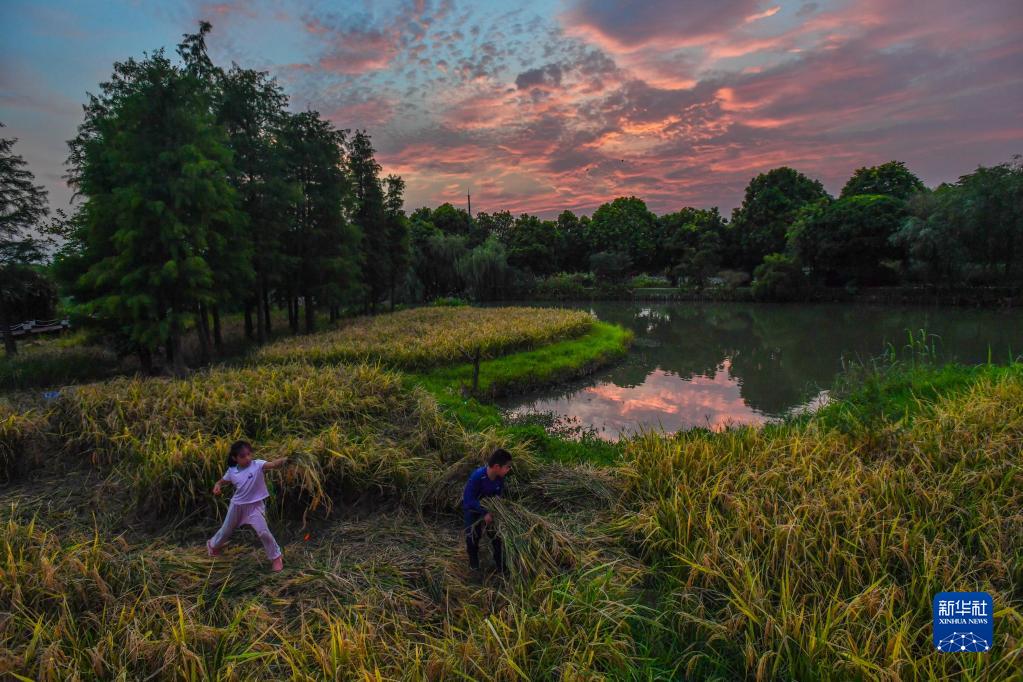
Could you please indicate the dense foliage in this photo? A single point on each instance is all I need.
(22, 207)
(885, 228)
(201, 193)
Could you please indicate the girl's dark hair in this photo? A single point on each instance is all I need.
(499, 457)
(236, 449)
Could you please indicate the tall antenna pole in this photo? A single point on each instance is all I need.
(468, 198)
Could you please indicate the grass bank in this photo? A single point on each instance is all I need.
(561, 361)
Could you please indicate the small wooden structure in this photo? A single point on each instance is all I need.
(36, 327)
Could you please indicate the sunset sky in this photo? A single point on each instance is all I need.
(543, 105)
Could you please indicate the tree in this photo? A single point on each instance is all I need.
(933, 236)
(153, 169)
(691, 243)
(22, 208)
(397, 233)
(533, 245)
(892, 179)
(324, 246)
(850, 238)
(625, 224)
(251, 108)
(574, 254)
(610, 266)
(770, 206)
(990, 207)
(371, 217)
(485, 225)
(229, 244)
(451, 220)
(485, 270)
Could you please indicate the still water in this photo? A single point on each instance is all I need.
(713, 365)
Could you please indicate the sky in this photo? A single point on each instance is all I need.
(546, 105)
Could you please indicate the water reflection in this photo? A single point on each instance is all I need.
(714, 365)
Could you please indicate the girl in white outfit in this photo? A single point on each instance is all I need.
(248, 504)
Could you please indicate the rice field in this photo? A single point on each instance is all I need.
(805, 550)
(426, 337)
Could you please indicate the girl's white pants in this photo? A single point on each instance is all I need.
(253, 514)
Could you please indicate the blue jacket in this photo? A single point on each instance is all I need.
(477, 487)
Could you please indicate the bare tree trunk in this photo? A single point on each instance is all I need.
(293, 315)
(261, 331)
(174, 348)
(146, 361)
(310, 314)
(178, 366)
(202, 331)
(250, 332)
(266, 311)
(218, 338)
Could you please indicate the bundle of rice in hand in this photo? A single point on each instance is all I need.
(534, 544)
(303, 483)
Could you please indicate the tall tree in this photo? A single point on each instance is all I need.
(625, 225)
(770, 206)
(991, 208)
(153, 169)
(690, 242)
(533, 245)
(451, 220)
(934, 237)
(22, 207)
(574, 254)
(892, 179)
(323, 245)
(229, 243)
(849, 239)
(371, 217)
(252, 111)
(397, 233)
(486, 225)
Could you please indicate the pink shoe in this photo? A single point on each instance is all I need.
(277, 565)
(210, 549)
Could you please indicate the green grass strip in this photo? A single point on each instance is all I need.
(520, 372)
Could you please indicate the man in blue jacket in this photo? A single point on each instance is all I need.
(486, 481)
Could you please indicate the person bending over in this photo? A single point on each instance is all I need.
(486, 481)
(248, 504)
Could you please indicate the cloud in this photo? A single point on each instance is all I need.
(546, 76)
(662, 22)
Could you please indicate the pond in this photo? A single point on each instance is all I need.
(714, 365)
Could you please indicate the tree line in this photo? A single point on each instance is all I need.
(200, 193)
(789, 234)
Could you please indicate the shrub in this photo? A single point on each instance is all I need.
(779, 278)
(449, 302)
(610, 266)
(644, 281)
